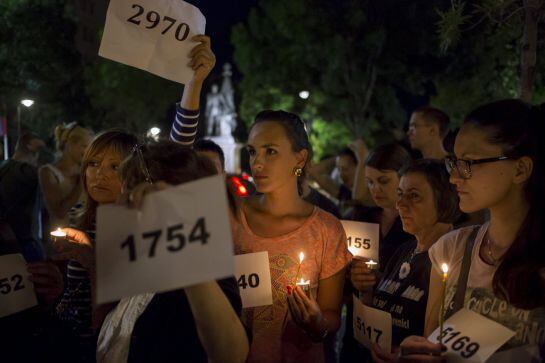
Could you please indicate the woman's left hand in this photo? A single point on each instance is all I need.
(202, 58)
(383, 356)
(47, 279)
(306, 312)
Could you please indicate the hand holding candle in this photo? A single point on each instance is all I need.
(305, 286)
(444, 268)
(301, 258)
(371, 265)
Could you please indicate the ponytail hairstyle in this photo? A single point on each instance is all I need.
(66, 132)
(516, 127)
(296, 133)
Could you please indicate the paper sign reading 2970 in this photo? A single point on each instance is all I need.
(362, 238)
(16, 291)
(254, 279)
(470, 337)
(153, 35)
(180, 237)
(372, 326)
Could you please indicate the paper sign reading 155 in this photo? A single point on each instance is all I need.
(470, 337)
(16, 290)
(153, 35)
(180, 237)
(362, 238)
(254, 279)
(372, 326)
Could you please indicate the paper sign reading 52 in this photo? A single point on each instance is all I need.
(470, 337)
(16, 291)
(180, 237)
(372, 326)
(153, 35)
(254, 279)
(362, 238)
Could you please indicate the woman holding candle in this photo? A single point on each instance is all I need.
(499, 164)
(427, 205)
(279, 221)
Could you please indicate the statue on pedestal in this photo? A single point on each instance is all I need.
(220, 111)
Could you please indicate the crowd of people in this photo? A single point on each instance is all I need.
(480, 208)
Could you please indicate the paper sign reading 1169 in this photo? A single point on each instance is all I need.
(470, 337)
(153, 35)
(362, 238)
(372, 326)
(180, 237)
(254, 279)
(16, 290)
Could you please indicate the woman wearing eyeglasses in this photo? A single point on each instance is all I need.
(496, 269)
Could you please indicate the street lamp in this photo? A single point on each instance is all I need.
(153, 133)
(304, 94)
(27, 103)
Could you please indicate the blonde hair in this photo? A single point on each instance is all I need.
(72, 131)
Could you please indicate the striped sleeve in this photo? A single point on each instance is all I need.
(184, 127)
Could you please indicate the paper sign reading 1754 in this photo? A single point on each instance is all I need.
(362, 238)
(180, 237)
(372, 326)
(152, 35)
(16, 290)
(470, 337)
(254, 279)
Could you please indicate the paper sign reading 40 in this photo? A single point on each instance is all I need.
(152, 35)
(16, 290)
(470, 337)
(362, 238)
(254, 279)
(180, 237)
(372, 326)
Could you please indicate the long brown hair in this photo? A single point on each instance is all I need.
(117, 140)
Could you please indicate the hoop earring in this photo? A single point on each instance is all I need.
(297, 172)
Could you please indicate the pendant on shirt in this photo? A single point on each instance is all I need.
(404, 270)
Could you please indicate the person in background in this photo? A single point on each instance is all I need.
(346, 163)
(499, 165)
(212, 151)
(20, 195)
(428, 127)
(61, 181)
(427, 205)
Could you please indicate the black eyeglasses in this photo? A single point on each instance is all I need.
(137, 149)
(463, 167)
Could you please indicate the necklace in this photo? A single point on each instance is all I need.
(405, 268)
(489, 251)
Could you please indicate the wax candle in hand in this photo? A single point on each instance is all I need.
(444, 268)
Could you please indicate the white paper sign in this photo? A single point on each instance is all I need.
(153, 35)
(16, 290)
(362, 239)
(372, 326)
(254, 279)
(470, 337)
(180, 237)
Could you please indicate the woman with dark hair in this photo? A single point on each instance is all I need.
(280, 222)
(498, 165)
(427, 205)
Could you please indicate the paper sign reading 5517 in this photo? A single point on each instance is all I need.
(362, 238)
(254, 279)
(470, 337)
(16, 291)
(180, 237)
(153, 35)
(372, 326)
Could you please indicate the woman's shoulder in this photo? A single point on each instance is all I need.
(451, 244)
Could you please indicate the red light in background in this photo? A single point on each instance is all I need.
(242, 191)
(245, 176)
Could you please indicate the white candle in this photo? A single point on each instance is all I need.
(305, 286)
(58, 233)
(444, 268)
(371, 265)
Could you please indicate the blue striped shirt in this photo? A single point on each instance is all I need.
(184, 127)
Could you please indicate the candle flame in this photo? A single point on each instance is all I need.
(58, 233)
(301, 257)
(444, 267)
(371, 262)
(302, 281)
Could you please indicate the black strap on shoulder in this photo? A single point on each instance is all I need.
(459, 296)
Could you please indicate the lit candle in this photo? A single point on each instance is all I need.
(58, 233)
(301, 258)
(305, 286)
(371, 265)
(444, 268)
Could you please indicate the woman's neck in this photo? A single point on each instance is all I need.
(506, 218)
(426, 238)
(281, 202)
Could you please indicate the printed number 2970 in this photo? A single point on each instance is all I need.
(462, 344)
(153, 19)
(175, 238)
(16, 284)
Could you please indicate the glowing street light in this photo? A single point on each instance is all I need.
(27, 103)
(154, 131)
(304, 94)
